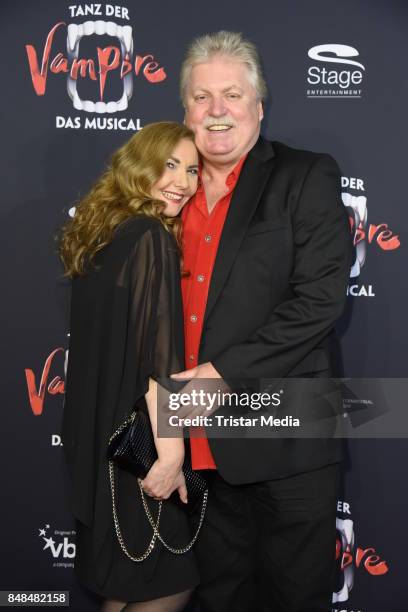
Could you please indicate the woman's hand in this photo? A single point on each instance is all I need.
(165, 475)
(163, 478)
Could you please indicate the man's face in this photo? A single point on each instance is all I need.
(222, 109)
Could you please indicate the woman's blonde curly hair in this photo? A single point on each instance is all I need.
(123, 191)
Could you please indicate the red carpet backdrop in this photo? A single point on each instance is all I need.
(78, 80)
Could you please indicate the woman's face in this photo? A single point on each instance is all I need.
(179, 179)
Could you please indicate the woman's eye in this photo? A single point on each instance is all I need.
(193, 171)
(170, 164)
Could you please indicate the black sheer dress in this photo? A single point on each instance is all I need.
(126, 326)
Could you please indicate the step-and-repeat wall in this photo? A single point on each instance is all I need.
(337, 76)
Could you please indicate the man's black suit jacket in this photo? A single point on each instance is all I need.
(277, 288)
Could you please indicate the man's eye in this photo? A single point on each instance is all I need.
(200, 98)
(233, 96)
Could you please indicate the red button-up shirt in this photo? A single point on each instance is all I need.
(201, 235)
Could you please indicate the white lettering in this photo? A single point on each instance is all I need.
(343, 79)
(69, 123)
(353, 183)
(343, 507)
(56, 440)
(69, 549)
(360, 291)
(77, 10)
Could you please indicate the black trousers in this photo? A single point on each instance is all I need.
(269, 546)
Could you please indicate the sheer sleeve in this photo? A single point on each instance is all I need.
(155, 309)
(168, 345)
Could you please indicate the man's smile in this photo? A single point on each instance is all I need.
(219, 128)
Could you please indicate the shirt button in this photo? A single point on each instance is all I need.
(191, 357)
(193, 318)
(207, 237)
(200, 278)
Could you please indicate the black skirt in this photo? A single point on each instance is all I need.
(112, 575)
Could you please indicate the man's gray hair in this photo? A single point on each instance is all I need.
(224, 43)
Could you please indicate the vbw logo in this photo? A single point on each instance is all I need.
(334, 74)
(59, 545)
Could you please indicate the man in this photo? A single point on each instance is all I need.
(267, 247)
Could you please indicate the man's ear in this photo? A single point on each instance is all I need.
(260, 110)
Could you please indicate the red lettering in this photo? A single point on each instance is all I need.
(359, 233)
(146, 64)
(139, 63)
(338, 549)
(37, 397)
(81, 66)
(359, 236)
(360, 554)
(59, 64)
(105, 66)
(346, 559)
(385, 238)
(57, 385)
(375, 566)
(39, 77)
(126, 67)
(151, 71)
(372, 563)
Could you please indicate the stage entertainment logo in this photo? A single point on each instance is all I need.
(366, 235)
(49, 383)
(111, 68)
(333, 74)
(59, 545)
(350, 558)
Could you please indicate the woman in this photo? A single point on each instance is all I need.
(122, 252)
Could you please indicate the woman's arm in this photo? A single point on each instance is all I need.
(165, 476)
(156, 327)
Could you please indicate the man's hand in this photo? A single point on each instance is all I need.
(202, 381)
(205, 370)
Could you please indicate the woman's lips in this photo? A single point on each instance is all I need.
(174, 197)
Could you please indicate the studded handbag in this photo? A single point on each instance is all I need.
(132, 448)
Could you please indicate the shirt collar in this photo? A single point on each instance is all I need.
(232, 177)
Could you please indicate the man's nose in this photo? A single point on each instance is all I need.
(217, 106)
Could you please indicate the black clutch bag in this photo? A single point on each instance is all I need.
(132, 448)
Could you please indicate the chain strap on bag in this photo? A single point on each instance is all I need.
(132, 446)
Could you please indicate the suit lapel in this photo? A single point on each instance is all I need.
(254, 175)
